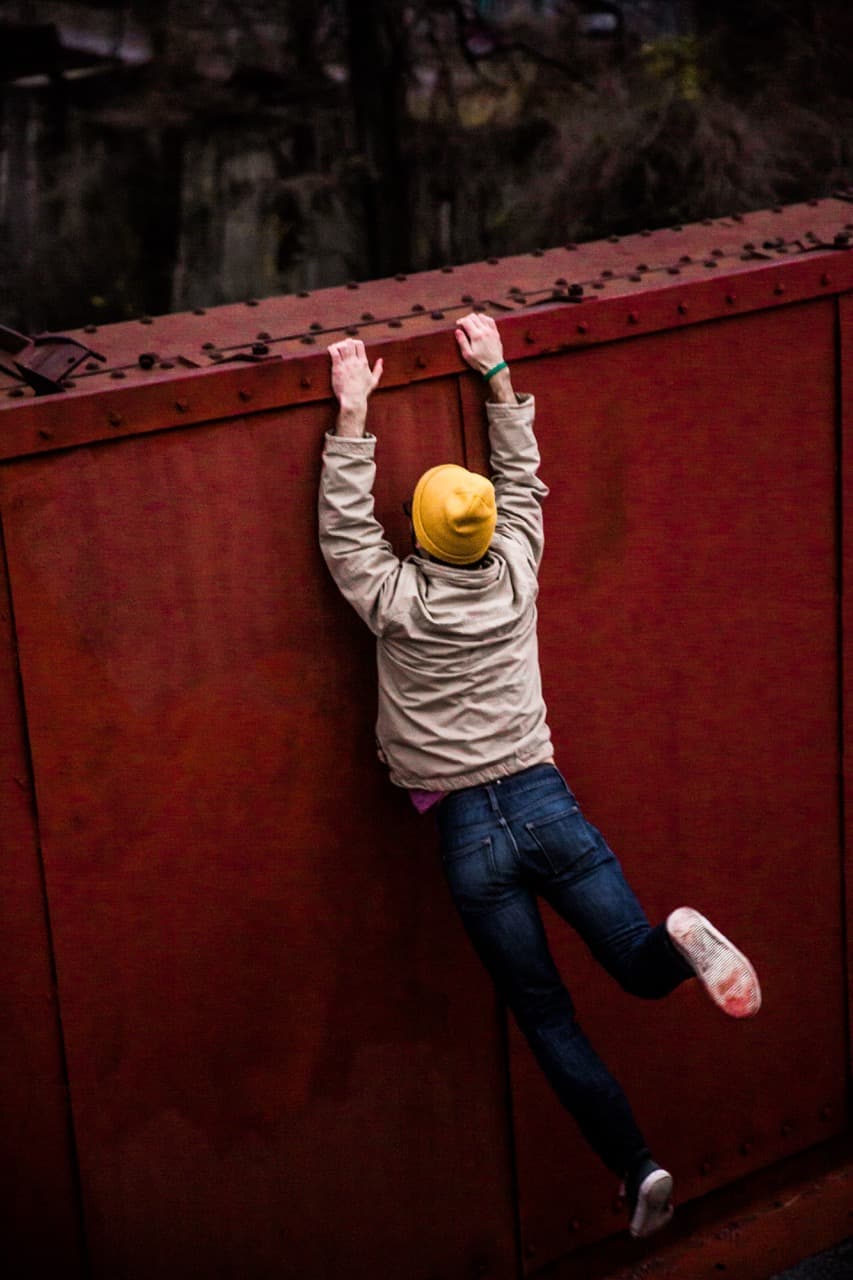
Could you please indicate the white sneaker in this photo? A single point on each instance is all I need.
(653, 1209)
(724, 972)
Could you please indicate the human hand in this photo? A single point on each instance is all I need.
(353, 380)
(479, 341)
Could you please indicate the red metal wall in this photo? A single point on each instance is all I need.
(281, 1056)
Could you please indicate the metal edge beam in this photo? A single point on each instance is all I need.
(221, 393)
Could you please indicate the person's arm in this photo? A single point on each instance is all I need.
(353, 543)
(514, 452)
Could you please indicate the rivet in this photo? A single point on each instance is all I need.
(778, 289)
(583, 327)
(673, 271)
(304, 293)
(706, 1167)
(305, 383)
(145, 320)
(682, 308)
(678, 227)
(419, 306)
(351, 284)
(448, 270)
(685, 258)
(90, 328)
(244, 395)
(260, 349)
(717, 253)
(635, 278)
(737, 217)
(68, 382)
(45, 433)
(92, 365)
(420, 362)
(719, 1266)
(15, 393)
(571, 247)
(352, 331)
(749, 245)
(745, 1148)
(607, 274)
(115, 419)
(367, 316)
(167, 364)
(633, 317)
(263, 336)
(731, 299)
(575, 290)
(707, 222)
(208, 346)
(395, 324)
(776, 208)
(199, 311)
(813, 204)
(642, 266)
(612, 239)
(400, 276)
(825, 279)
(307, 340)
(645, 232)
(118, 374)
(437, 315)
(147, 360)
(251, 302)
(467, 298)
(559, 280)
(529, 337)
(709, 262)
(493, 262)
(216, 356)
(598, 284)
(315, 325)
(181, 406)
(538, 253)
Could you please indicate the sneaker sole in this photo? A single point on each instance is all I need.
(724, 972)
(654, 1205)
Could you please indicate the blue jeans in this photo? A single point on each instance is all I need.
(504, 843)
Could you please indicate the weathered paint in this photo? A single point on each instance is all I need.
(40, 1208)
(281, 1053)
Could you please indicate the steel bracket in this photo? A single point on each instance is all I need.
(43, 362)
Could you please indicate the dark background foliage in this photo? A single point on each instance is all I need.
(165, 155)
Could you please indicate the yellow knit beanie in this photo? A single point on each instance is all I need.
(454, 513)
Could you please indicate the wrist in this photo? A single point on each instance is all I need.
(352, 418)
(500, 388)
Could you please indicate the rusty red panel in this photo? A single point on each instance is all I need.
(845, 366)
(280, 1054)
(688, 627)
(41, 1220)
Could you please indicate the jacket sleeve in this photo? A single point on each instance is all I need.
(514, 463)
(360, 559)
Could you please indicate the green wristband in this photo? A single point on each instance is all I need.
(491, 372)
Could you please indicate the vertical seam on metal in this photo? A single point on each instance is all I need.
(76, 1181)
(843, 710)
(514, 1182)
(460, 406)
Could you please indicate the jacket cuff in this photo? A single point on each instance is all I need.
(526, 406)
(355, 447)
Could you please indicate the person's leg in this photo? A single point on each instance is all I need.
(501, 916)
(575, 870)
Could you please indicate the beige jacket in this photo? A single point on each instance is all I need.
(460, 696)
